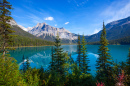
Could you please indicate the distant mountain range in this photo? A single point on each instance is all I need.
(116, 30)
(42, 30)
(48, 32)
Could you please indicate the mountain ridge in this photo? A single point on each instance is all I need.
(43, 30)
(114, 30)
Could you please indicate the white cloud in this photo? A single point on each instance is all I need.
(67, 23)
(55, 24)
(49, 18)
(116, 11)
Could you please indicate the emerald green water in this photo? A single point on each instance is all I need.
(41, 56)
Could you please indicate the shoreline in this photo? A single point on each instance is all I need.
(38, 46)
(51, 45)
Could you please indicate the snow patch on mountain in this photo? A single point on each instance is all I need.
(43, 29)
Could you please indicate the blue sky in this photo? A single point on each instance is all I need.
(77, 16)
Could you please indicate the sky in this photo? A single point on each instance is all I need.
(77, 16)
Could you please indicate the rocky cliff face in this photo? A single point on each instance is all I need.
(42, 30)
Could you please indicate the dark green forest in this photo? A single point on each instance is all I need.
(121, 41)
(63, 70)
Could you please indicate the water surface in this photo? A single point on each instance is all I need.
(41, 56)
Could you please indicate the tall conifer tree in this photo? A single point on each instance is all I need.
(52, 63)
(27, 63)
(85, 61)
(128, 70)
(24, 67)
(5, 31)
(79, 51)
(128, 63)
(59, 56)
(104, 61)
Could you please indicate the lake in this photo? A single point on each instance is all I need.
(41, 56)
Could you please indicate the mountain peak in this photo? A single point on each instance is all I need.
(40, 24)
(43, 30)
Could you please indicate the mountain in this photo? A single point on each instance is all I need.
(24, 38)
(115, 30)
(48, 32)
(20, 30)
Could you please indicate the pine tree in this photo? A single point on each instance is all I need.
(79, 51)
(5, 31)
(27, 63)
(52, 63)
(59, 56)
(128, 63)
(85, 61)
(128, 70)
(104, 61)
(24, 67)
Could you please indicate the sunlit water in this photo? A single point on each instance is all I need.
(41, 56)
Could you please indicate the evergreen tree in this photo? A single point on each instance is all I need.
(31, 77)
(24, 67)
(79, 51)
(52, 63)
(71, 59)
(59, 56)
(27, 63)
(5, 32)
(104, 61)
(9, 72)
(128, 70)
(128, 63)
(85, 61)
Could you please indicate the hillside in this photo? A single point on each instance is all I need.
(115, 30)
(24, 38)
(121, 41)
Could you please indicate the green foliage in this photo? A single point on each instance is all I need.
(24, 66)
(59, 56)
(9, 73)
(27, 41)
(52, 63)
(5, 32)
(79, 51)
(85, 61)
(128, 69)
(121, 41)
(128, 63)
(63, 70)
(27, 63)
(31, 77)
(104, 61)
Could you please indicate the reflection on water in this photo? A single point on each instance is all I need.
(38, 56)
(41, 56)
